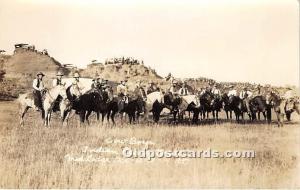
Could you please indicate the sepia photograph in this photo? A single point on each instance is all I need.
(149, 94)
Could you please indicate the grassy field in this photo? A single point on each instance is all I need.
(39, 157)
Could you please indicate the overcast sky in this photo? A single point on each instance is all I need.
(241, 40)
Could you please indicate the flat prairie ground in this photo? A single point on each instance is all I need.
(91, 156)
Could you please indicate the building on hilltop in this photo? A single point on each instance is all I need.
(22, 47)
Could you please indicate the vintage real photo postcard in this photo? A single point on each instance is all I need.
(149, 94)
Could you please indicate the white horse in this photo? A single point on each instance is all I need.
(26, 101)
(84, 84)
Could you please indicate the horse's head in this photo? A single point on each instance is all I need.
(272, 98)
(225, 99)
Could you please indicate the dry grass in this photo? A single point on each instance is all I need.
(34, 156)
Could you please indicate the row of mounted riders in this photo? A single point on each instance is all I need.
(108, 105)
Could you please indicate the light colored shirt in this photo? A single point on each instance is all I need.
(55, 83)
(183, 91)
(216, 91)
(122, 89)
(35, 84)
(232, 93)
(243, 94)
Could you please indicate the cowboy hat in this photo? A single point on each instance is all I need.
(59, 73)
(40, 73)
(76, 75)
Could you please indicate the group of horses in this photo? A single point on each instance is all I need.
(71, 99)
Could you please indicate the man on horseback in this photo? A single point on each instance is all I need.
(104, 84)
(183, 91)
(215, 91)
(122, 91)
(140, 96)
(96, 85)
(58, 80)
(76, 83)
(202, 91)
(150, 87)
(245, 96)
(232, 91)
(140, 91)
(38, 91)
(172, 89)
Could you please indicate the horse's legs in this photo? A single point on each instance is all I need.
(278, 119)
(242, 115)
(97, 115)
(174, 116)
(108, 115)
(82, 116)
(281, 119)
(65, 118)
(87, 116)
(49, 117)
(195, 117)
(46, 118)
(288, 116)
(43, 114)
(230, 114)
(113, 117)
(23, 111)
(103, 116)
(138, 117)
(226, 114)
(264, 114)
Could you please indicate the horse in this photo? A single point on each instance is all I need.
(216, 106)
(206, 101)
(193, 105)
(26, 101)
(278, 105)
(239, 107)
(258, 105)
(73, 93)
(112, 107)
(154, 104)
(292, 105)
(92, 100)
(227, 106)
(175, 104)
